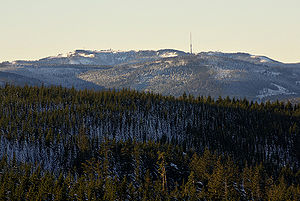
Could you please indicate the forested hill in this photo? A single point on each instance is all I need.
(60, 129)
(167, 72)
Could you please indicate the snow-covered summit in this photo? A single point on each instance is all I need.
(166, 71)
(107, 57)
(242, 56)
(116, 57)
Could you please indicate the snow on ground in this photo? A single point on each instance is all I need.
(267, 73)
(271, 92)
(86, 55)
(174, 165)
(261, 58)
(162, 72)
(221, 74)
(214, 53)
(270, 73)
(80, 61)
(169, 54)
(73, 61)
(264, 59)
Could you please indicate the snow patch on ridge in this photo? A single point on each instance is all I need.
(86, 55)
(169, 54)
(261, 58)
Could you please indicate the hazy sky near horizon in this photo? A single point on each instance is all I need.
(32, 29)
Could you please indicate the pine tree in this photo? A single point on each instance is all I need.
(162, 170)
(189, 189)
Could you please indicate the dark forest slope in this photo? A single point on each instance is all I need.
(41, 122)
(59, 129)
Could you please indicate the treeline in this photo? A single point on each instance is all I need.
(130, 170)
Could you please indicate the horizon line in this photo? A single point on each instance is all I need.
(158, 49)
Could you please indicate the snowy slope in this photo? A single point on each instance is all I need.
(168, 71)
(106, 57)
(205, 74)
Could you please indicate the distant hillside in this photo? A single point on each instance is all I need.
(106, 57)
(12, 78)
(216, 74)
(168, 71)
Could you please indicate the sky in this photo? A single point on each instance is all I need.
(33, 29)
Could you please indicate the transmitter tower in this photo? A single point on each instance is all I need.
(191, 45)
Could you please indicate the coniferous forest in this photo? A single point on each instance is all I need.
(65, 144)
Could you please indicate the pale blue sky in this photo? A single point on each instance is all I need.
(32, 29)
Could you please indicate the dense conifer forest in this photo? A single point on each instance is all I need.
(66, 144)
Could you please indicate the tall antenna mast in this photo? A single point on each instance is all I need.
(191, 45)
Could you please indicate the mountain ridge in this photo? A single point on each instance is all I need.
(169, 72)
(161, 53)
